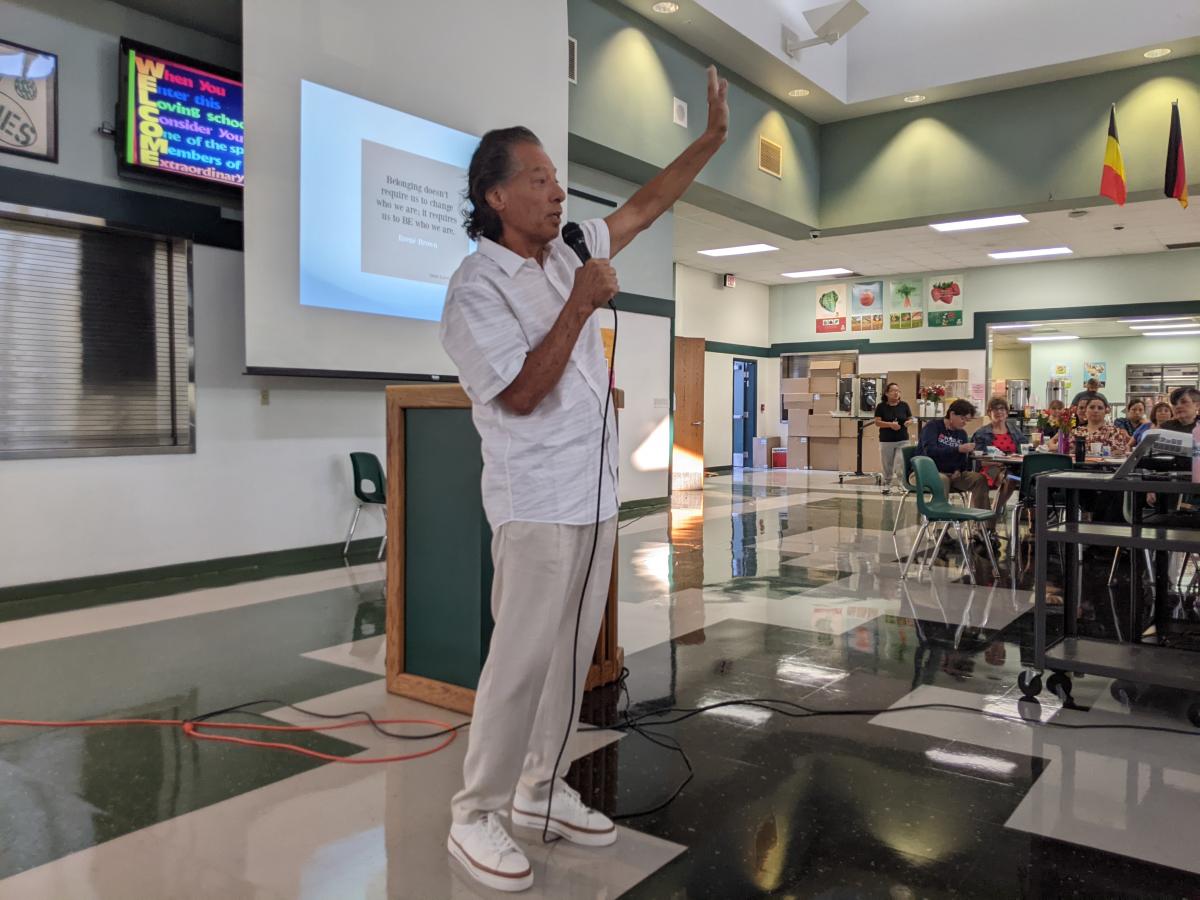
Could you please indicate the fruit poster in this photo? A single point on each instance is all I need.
(905, 309)
(866, 306)
(945, 301)
(832, 308)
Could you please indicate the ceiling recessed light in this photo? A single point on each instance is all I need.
(1158, 319)
(1011, 327)
(1031, 254)
(799, 92)
(1171, 333)
(914, 98)
(737, 251)
(817, 273)
(1035, 338)
(1186, 323)
(1157, 53)
(970, 224)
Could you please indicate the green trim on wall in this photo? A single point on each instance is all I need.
(19, 601)
(739, 349)
(981, 320)
(640, 303)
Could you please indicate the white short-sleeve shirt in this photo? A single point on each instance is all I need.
(543, 467)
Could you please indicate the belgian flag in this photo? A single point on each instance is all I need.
(1112, 179)
(1176, 182)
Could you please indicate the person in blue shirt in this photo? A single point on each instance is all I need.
(1135, 416)
(945, 441)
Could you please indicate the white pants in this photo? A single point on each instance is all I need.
(524, 695)
(893, 462)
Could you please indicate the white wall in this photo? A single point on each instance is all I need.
(1083, 285)
(262, 477)
(84, 34)
(703, 308)
(1116, 352)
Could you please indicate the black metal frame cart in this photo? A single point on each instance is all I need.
(863, 425)
(1129, 659)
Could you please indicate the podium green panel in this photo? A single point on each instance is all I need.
(447, 546)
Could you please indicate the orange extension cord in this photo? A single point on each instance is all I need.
(192, 729)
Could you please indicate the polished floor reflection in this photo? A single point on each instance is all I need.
(772, 585)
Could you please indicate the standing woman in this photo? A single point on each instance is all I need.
(892, 417)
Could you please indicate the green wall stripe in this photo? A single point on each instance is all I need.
(738, 349)
(981, 321)
(640, 303)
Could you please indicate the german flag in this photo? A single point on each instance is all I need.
(1112, 179)
(1176, 183)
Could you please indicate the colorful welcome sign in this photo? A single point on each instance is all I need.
(182, 119)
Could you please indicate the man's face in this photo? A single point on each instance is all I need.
(530, 202)
(1185, 409)
(956, 421)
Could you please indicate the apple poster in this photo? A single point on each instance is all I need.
(866, 306)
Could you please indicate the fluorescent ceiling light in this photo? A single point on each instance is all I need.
(737, 251)
(665, 7)
(1159, 319)
(1011, 327)
(1157, 53)
(914, 98)
(970, 224)
(1029, 254)
(799, 92)
(1186, 324)
(1170, 333)
(1032, 338)
(817, 273)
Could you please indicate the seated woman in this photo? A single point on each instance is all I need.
(1055, 415)
(1160, 415)
(1135, 415)
(1096, 430)
(1006, 436)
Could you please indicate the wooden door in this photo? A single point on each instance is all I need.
(687, 458)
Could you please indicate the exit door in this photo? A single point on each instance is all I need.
(745, 417)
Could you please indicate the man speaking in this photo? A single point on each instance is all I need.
(518, 324)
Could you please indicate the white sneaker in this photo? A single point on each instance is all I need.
(570, 817)
(489, 854)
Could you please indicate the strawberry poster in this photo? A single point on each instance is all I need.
(945, 301)
(832, 308)
(905, 308)
(866, 306)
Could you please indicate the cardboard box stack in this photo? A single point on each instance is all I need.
(762, 451)
(810, 403)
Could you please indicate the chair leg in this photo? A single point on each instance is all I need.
(1112, 573)
(932, 555)
(899, 512)
(350, 533)
(383, 540)
(913, 549)
(1014, 530)
(987, 542)
(968, 564)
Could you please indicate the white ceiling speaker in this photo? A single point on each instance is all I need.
(829, 23)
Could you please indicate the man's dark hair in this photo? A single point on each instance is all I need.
(1177, 394)
(962, 408)
(491, 164)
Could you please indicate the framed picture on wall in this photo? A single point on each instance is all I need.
(28, 101)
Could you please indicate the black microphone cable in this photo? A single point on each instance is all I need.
(573, 235)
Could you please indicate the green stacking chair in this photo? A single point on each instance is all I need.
(906, 454)
(1033, 465)
(935, 509)
(370, 486)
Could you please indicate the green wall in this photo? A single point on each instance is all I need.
(1116, 352)
(1040, 147)
(620, 120)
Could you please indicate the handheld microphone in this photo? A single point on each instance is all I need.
(572, 234)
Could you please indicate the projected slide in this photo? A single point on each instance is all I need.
(380, 199)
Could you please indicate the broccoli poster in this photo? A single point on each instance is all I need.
(866, 306)
(905, 308)
(944, 303)
(831, 308)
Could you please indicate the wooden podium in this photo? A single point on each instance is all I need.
(439, 564)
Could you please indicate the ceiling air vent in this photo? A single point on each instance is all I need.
(770, 157)
(1188, 245)
(572, 60)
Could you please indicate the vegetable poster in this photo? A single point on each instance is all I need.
(831, 308)
(866, 306)
(945, 301)
(905, 309)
